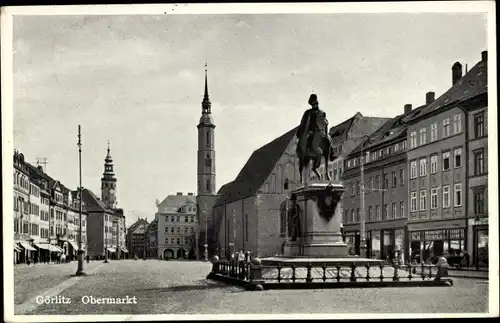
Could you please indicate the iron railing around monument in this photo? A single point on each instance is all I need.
(252, 273)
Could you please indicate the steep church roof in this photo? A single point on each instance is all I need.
(256, 170)
(340, 131)
(92, 202)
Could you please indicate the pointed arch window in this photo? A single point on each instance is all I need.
(209, 185)
(208, 138)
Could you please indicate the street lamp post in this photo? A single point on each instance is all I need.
(79, 271)
(363, 245)
(105, 241)
(205, 253)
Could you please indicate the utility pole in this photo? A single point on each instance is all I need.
(79, 271)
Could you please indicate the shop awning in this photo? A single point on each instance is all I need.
(44, 246)
(124, 249)
(74, 245)
(53, 248)
(27, 246)
(111, 249)
(16, 248)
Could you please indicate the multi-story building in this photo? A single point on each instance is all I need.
(136, 238)
(206, 194)
(383, 155)
(152, 239)
(176, 218)
(23, 219)
(437, 159)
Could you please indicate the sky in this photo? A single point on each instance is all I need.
(138, 82)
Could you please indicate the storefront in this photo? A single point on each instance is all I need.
(480, 240)
(352, 238)
(426, 245)
(386, 240)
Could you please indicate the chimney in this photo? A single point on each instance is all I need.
(190, 194)
(456, 72)
(179, 193)
(484, 56)
(407, 108)
(429, 97)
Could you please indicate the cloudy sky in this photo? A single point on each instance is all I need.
(137, 81)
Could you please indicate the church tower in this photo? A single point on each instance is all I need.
(206, 147)
(206, 195)
(108, 182)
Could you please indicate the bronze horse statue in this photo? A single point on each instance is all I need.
(326, 154)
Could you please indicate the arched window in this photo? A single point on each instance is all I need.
(209, 185)
(208, 138)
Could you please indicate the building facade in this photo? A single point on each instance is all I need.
(384, 185)
(176, 218)
(136, 238)
(439, 177)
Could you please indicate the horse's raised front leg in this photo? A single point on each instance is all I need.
(327, 174)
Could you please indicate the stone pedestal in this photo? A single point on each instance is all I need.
(320, 218)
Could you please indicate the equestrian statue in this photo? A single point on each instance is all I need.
(314, 142)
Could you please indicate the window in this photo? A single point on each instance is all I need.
(208, 138)
(446, 161)
(178, 240)
(458, 157)
(166, 240)
(479, 168)
(434, 198)
(386, 212)
(353, 219)
(374, 155)
(172, 229)
(396, 147)
(346, 217)
(394, 211)
(386, 180)
(381, 153)
(446, 196)
(186, 218)
(402, 209)
(401, 177)
(479, 125)
(423, 136)
(413, 200)
(434, 131)
(457, 124)
(370, 183)
(370, 213)
(423, 167)
(446, 127)
(413, 169)
(423, 200)
(353, 189)
(377, 181)
(394, 179)
(434, 164)
(413, 140)
(357, 215)
(404, 145)
(178, 218)
(209, 185)
(208, 162)
(458, 195)
(349, 163)
(166, 229)
(479, 202)
(378, 212)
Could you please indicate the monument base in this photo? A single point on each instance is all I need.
(315, 249)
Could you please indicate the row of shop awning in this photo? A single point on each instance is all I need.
(113, 250)
(49, 247)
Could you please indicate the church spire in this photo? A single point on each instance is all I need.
(206, 100)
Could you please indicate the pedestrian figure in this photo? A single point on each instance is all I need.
(88, 258)
(28, 261)
(241, 256)
(467, 258)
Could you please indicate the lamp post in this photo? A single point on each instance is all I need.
(363, 245)
(79, 270)
(205, 253)
(105, 240)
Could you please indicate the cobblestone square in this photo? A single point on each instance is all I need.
(177, 287)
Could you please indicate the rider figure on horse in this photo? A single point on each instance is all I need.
(312, 131)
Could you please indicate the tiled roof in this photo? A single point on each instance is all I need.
(92, 203)
(256, 170)
(172, 203)
(138, 223)
(340, 131)
(470, 85)
(392, 128)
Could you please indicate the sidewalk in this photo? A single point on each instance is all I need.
(468, 273)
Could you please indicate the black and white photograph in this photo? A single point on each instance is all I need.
(249, 161)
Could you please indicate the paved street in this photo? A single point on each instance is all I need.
(169, 287)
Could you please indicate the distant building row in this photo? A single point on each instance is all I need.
(46, 216)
